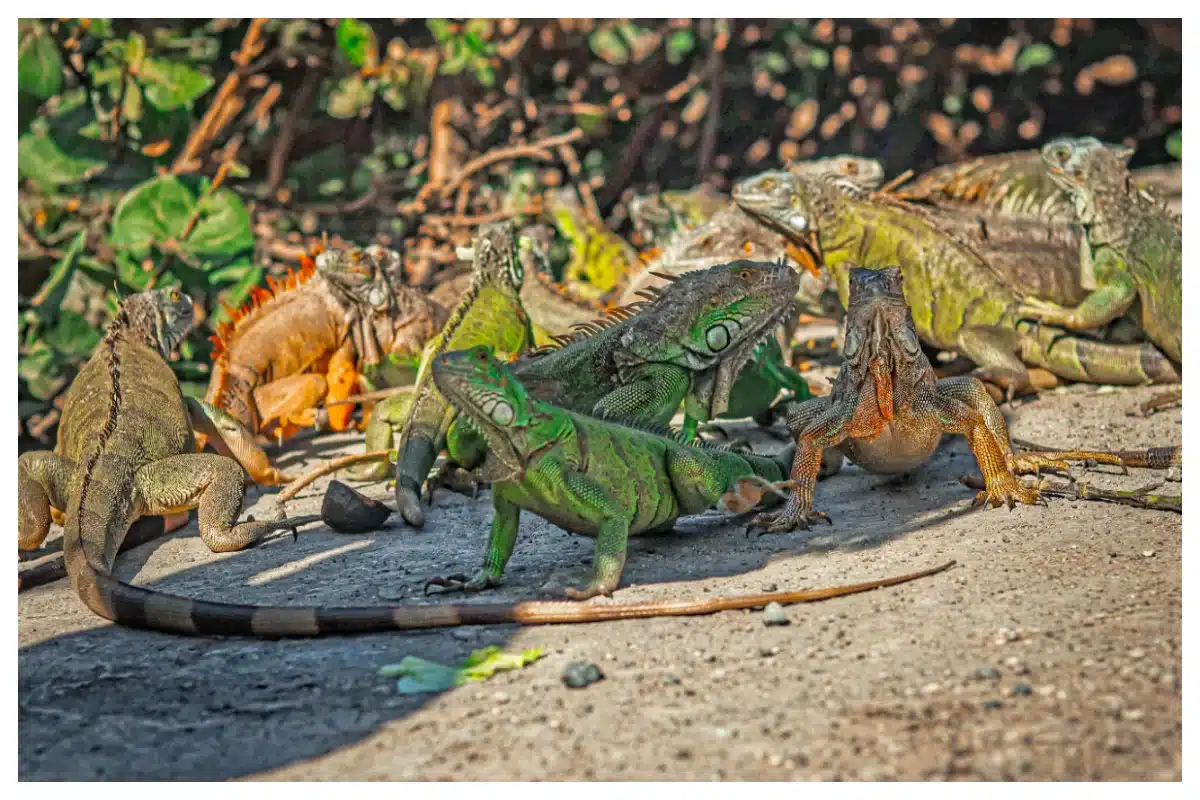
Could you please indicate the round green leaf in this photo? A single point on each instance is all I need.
(39, 64)
(224, 226)
(39, 158)
(171, 85)
(154, 211)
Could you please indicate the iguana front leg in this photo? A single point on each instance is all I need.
(1114, 294)
(215, 486)
(653, 395)
(956, 416)
(817, 424)
(43, 480)
(291, 402)
(387, 418)
(230, 438)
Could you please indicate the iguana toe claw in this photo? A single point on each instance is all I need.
(455, 582)
(580, 595)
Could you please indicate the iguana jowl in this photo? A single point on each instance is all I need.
(887, 412)
(126, 448)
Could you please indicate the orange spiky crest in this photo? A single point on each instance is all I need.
(259, 297)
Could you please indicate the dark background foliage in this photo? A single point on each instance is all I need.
(211, 152)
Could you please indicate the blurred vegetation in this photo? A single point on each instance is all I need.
(208, 153)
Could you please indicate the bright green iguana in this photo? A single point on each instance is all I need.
(490, 312)
(1134, 243)
(589, 476)
(958, 301)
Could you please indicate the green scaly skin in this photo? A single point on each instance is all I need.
(588, 476)
(1134, 242)
(126, 449)
(600, 260)
(887, 412)
(490, 312)
(958, 301)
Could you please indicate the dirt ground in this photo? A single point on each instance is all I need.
(1052, 651)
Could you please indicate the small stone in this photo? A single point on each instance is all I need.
(987, 674)
(348, 511)
(1133, 714)
(775, 760)
(581, 673)
(992, 704)
(1148, 554)
(671, 680)
(773, 614)
(1137, 653)
(767, 652)
(499, 697)
(770, 587)
(930, 688)
(1022, 689)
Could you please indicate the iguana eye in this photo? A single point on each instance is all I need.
(745, 274)
(174, 296)
(768, 184)
(717, 338)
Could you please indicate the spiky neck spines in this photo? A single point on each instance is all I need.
(260, 296)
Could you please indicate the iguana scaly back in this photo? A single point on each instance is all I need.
(1135, 243)
(490, 312)
(958, 301)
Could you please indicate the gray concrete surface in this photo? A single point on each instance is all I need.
(1053, 651)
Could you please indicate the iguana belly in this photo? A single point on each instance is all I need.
(901, 446)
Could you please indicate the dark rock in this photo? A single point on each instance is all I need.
(348, 511)
(579, 674)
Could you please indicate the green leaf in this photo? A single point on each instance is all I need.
(440, 29)
(224, 226)
(39, 64)
(609, 45)
(54, 289)
(1175, 145)
(357, 40)
(73, 335)
(171, 85)
(233, 297)
(39, 158)
(418, 676)
(680, 44)
(154, 211)
(1035, 55)
(135, 50)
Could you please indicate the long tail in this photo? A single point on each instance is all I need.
(1080, 359)
(137, 607)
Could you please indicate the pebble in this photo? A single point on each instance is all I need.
(987, 674)
(992, 704)
(671, 680)
(579, 674)
(773, 614)
(767, 652)
(1148, 553)
(1022, 689)
(770, 587)
(463, 634)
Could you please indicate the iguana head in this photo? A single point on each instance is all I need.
(487, 394)
(656, 216)
(785, 202)
(854, 172)
(710, 321)
(881, 339)
(496, 259)
(1094, 175)
(160, 318)
(362, 274)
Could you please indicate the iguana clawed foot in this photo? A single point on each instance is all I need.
(459, 582)
(793, 516)
(1005, 490)
(455, 478)
(1157, 403)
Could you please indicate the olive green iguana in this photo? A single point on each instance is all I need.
(490, 312)
(126, 449)
(887, 412)
(959, 301)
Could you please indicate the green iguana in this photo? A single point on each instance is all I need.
(589, 476)
(600, 259)
(126, 449)
(1134, 243)
(959, 302)
(490, 312)
(887, 412)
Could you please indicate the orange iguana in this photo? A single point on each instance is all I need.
(308, 338)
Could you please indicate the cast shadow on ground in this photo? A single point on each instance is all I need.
(113, 703)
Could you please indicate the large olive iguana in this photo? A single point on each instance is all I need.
(126, 449)
(1134, 243)
(489, 313)
(959, 302)
(887, 411)
(309, 338)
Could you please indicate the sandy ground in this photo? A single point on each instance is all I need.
(1052, 651)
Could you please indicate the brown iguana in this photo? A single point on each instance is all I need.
(126, 449)
(887, 412)
(309, 337)
(959, 301)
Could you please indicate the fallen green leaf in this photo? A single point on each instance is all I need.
(39, 64)
(418, 676)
